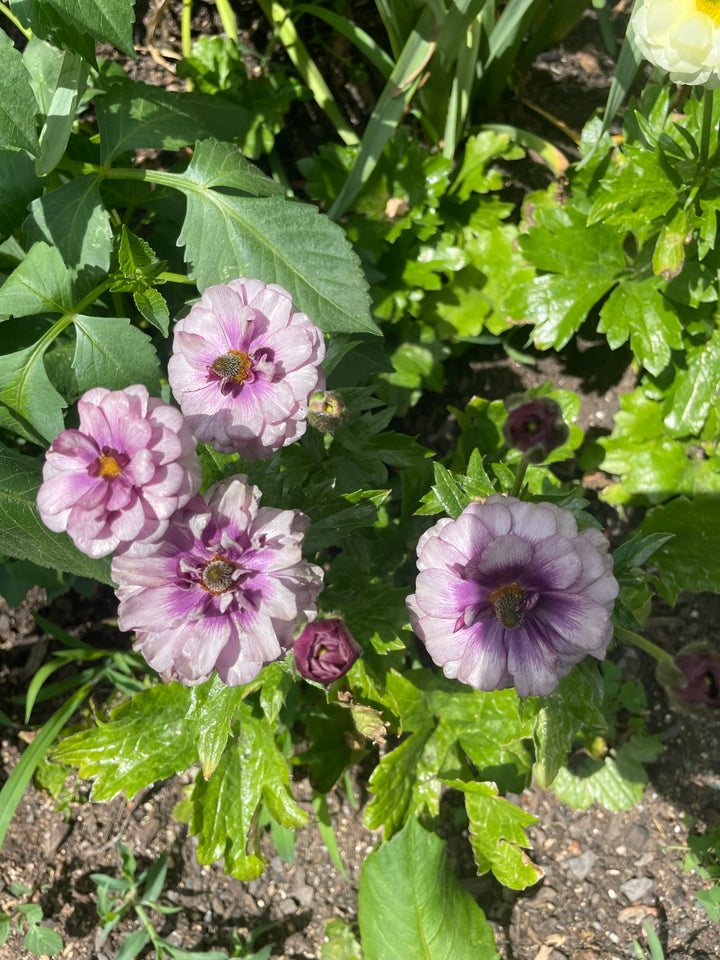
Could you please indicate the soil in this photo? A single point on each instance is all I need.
(605, 873)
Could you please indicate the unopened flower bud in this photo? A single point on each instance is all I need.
(326, 411)
(535, 427)
(326, 650)
(701, 667)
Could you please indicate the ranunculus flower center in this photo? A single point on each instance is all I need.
(217, 576)
(234, 365)
(109, 464)
(709, 7)
(511, 602)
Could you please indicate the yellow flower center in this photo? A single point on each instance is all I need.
(234, 365)
(109, 468)
(711, 8)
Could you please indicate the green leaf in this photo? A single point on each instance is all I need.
(224, 807)
(24, 535)
(74, 219)
(210, 713)
(339, 942)
(153, 306)
(575, 703)
(691, 560)
(19, 184)
(709, 900)
(132, 944)
(109, 21)
(51, 777)
(694, 388)
(29, 404)
(497, 835)
(397, 784)
(39, 284)
(639, 310)
(43, 941)
(146, 739)
(61, 113)
(411, 905)
(282, 241)
(617, 783)
(18, 106)
(4, 927)
(110, 352)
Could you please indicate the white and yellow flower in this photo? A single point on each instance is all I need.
(681, 37)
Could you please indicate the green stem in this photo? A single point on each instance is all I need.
(185, 35)
(707, 116)
(168, 277)
(14, 20)
(227, 18)
(519, 478)
(662, 656)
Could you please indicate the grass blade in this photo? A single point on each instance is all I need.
(371, 50)
(326, 830)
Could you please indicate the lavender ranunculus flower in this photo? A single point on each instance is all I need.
(223, 590)
(701, 666)
(510, 594)
(244, 365)
(118, 478)
(326, 650)
(535, 427)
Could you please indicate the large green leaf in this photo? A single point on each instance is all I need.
(694, 388)
(73, 218)
(39, 284)
(47, 23)
(691, 560)
(146, 739)
(403, 784)
(109, 21)
(411, 905)
(22, 532)
(497, 834)
(29, 404)
(223, 808)
(617, 782)
(637, 309)
(273, 239)
(19, 184)
(18, 106)
(212, 708)
(110, 352)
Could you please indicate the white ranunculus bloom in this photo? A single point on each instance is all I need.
(681, 37)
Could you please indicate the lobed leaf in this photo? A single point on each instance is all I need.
(18, 106)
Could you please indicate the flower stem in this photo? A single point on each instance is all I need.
(662, 656)
(706, 128)
(14, 20)
(519, 478)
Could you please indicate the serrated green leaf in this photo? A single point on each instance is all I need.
(146, 739)
(617, 783)
(497, 835)
(111, 353)
(395, 781)
(639, 310)
(18, 106)
(575, 702)
(690, 560)
(153, 306)
(688, 405)
(43, 941)
(109, 21)
(29, 404)
(74, 219)
(709, 900)
(411, 905)
(60, 114)
(24, 535)
(225, 806)
(446, 489)
(211, 710)
(339, 942)
(19, 185)
(39, 284)
(277, 240)
(51, 777)
(46, 23)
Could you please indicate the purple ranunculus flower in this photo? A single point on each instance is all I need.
(701, 666)
(510, 594)
(120, 477)
(326, 650)
(223, 590)
(244, 365)
(535, 427)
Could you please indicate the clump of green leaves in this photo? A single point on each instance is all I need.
(25, 918)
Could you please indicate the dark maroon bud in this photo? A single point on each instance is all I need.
(701, 667)
(535, 427)
(326, 650)
(326, 411)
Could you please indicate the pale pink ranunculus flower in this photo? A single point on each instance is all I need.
(223, 590)
(512, 595)
(122, 474)
(681, 37)
(244, 366)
